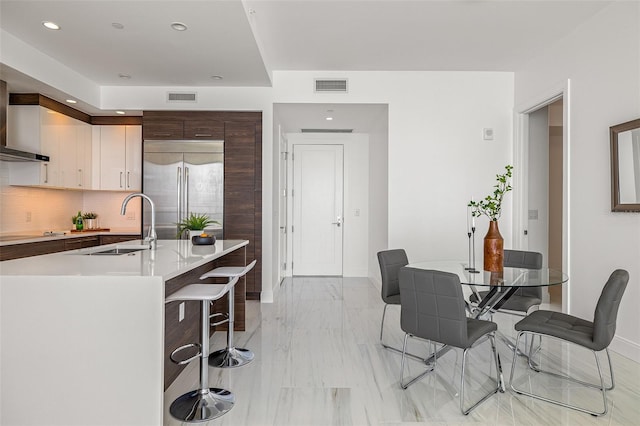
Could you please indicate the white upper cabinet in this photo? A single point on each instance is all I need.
(133, 157)
(75, 154)
(65, 140)
(36, 129)
(120, 157)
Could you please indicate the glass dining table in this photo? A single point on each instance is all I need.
(500, 285)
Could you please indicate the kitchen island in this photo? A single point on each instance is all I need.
(83, 334)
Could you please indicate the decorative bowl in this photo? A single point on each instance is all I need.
(198, 240)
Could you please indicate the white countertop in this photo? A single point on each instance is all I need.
(170, 259)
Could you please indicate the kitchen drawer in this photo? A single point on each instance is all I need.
(17, 251)
(204, 129)
(111, 239)
(165, 129)
(82, 242)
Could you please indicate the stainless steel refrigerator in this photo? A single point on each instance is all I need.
(183, 177)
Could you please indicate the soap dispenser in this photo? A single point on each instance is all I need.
(79, 222)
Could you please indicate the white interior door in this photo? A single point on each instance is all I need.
(317, 209)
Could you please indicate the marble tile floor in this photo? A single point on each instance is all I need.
(319, 362)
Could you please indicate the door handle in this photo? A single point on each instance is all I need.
(186, 191)
(338, 223)
(179, 203)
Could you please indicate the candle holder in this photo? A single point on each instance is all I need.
(469, 268)
(472, 258)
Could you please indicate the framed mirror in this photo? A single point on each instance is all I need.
(625, 167)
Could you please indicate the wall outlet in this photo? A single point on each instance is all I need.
(181, 312)
(28, 217)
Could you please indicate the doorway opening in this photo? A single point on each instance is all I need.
(543, 214)
(362, 131)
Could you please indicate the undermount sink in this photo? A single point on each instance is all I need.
(116, 251)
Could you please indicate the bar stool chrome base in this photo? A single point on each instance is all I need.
(230, 357)
(202, 405)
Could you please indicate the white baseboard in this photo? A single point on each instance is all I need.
(266, 296)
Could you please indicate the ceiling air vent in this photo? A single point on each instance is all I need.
(326, 130)
(331, 85)
(182, 97)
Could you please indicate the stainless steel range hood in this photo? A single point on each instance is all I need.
(6, 153)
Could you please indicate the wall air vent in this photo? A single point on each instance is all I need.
(326, 130)
(182, 97)
(331, 85)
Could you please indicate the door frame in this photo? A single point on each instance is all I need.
(283, 218)
(521, 157)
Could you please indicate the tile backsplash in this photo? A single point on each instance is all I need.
(29, 209)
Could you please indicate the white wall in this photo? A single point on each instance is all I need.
(602, 61)
(378, 192)
(436, 159)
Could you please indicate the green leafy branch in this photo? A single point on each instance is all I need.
(491, 205)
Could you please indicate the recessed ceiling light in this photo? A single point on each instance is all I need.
(117, 25)
(120, 112)
(178, 26)
(329, 118)
(71, 101)
(51, 25)
(216, 77)
(124, 76)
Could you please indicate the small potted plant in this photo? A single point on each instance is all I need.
(195, 223)
(90, 220)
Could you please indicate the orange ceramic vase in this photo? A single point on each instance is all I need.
(493, 249)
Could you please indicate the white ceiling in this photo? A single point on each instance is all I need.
(244, 41)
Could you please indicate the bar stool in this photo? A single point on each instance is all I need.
(230, 356)
(204, 403)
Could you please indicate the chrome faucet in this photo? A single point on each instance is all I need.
(151, 236)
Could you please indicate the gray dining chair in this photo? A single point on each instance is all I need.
(390, 263)
(433, 309)
(595, 336)
(524, 298)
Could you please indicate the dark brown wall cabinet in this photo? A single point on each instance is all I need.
(204, 129)
(166, 130)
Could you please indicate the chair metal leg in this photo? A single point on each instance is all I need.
(404, 385)
(600, 387)
(391, 348)
(498, 381)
